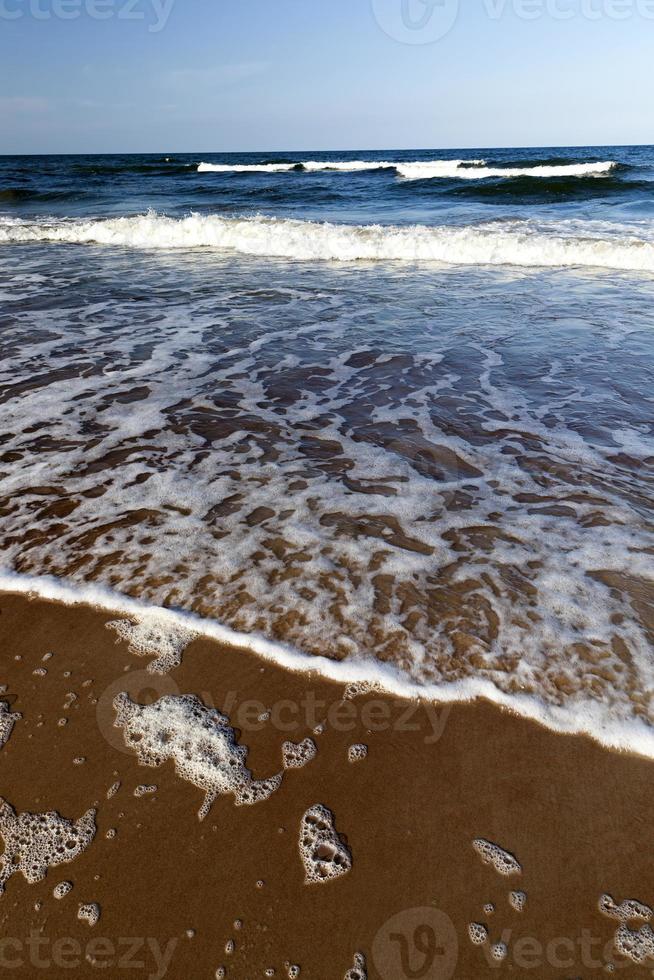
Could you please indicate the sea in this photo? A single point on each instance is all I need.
(389, 413)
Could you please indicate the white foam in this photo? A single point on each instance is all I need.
(62, 889)
(502, 861)
(518, 901)
(7, 721)
(344, 166)
(636, 944)
(628, 911)
(478, 933)
(421, 169)
(590, 717)
(144, 790)
(150, 636)
(200, 742)
(238, 168)
(324, 855)
(359, 968)
(499, 951)
(357, 753)
(297, 755)
(35, 842)
(444, 169)
(511, 243)
(89, 913)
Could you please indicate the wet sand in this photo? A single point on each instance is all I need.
(170, 888)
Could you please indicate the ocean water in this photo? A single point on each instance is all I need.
(393, 409)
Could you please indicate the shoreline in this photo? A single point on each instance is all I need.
(574, 814)
(587, 719)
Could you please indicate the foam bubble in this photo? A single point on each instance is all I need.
(478, 933)
(499, 951)
(296, 756)
(502, 861)
(518, 901)
(89, 913)
(358, 970)
(35, 842)
(151, 635)
(7, 721)
(144, 790)
(629, 910)
(323, 853)
(199, 740)
(357, 753)
(62, 889)
(636, 944)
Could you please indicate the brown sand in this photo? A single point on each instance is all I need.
(579, 819)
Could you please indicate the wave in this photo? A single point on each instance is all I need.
(423, 170)
(428, 171)
(19, 195)
(238, 168)
(515, 243)
(590, 717)
(536, 190)
(343, 166)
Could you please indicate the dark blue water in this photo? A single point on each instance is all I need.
(128, 184)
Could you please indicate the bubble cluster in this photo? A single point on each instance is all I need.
(150, 635)
(627, 911)
(7, 721)
(499, 951)
(35, 842)
(358, 970)
(89, 913)
(296, 755)
(62, 889)
(518, 901)
(503, 862)
(199, 740)
(357, 753)
(478, 933)
(636, 945)
(323, 853)
(144, 790)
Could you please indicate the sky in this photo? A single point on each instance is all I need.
(87, 76)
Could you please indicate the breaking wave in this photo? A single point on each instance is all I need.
(423, 170)
(515, 243)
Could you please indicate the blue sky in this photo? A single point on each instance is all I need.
(210, 75)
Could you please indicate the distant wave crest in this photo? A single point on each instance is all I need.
(421, 170)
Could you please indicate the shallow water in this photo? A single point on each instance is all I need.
(447, 467)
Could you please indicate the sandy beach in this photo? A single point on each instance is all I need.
(179, 897)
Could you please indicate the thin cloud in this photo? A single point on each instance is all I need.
(217, 76)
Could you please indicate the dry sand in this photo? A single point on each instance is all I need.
(170, 888)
